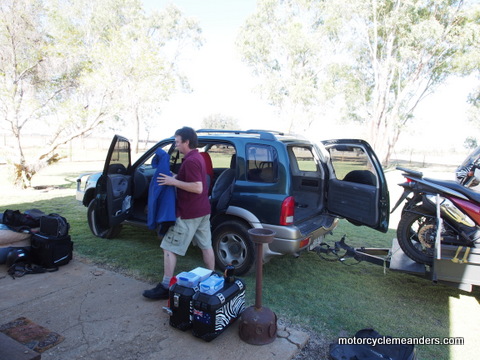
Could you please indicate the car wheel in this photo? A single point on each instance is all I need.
(232, 246)
(96, 228)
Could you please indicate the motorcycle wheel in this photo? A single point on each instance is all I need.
(416, 235)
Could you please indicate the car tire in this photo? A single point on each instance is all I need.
(94, 224)
(232, 246)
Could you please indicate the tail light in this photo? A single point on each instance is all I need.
(410, 181)
(287, 212)
(304, 242)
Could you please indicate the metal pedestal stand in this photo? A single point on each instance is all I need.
(258, 325)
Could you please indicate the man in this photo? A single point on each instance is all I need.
(192, 210)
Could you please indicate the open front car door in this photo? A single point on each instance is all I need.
(357, 188)
(113, 193)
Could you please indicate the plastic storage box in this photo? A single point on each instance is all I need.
(211, 285)
(202, 272)
(188, 279)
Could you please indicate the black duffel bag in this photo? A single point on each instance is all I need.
(363, 349)
(51, 251)
(18, 221)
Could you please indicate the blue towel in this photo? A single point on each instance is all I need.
(161, 198)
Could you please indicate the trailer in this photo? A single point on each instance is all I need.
(456, 266)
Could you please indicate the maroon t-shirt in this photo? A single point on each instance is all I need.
(191, 205)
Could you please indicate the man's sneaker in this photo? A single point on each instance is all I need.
(159, 292)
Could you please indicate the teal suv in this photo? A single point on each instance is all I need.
(258, 179)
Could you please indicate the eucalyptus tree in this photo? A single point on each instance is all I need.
(33, 76)
(68, 67)
(376, 59)
(220, 121)
(147, 53)
(285, 46)
(471, 64)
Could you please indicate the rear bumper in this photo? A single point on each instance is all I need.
(290, 240)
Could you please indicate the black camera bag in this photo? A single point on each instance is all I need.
(54, 225)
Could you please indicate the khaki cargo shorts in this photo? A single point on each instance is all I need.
(179, 236)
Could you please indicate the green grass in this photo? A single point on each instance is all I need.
(326, 297)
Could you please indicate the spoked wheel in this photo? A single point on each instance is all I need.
(232, 245)
(416, 234)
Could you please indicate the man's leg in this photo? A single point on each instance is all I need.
(169, 263)
(209, 258)
(161, 292)
(203, 238)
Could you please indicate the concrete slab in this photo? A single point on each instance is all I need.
(102, 315)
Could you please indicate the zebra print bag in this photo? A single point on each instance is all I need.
(212, 314)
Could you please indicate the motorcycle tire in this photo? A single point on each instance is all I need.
(412, 223)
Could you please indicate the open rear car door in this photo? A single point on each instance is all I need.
(357, 188)
(113, 193)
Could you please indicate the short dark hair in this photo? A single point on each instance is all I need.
(187, 133)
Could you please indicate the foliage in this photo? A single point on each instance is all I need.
(284, 45)
(372, 61)
(470, 143)
(219, 121)
(68, 67)
(471, 63)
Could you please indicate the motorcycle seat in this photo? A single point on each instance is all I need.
(471, 194)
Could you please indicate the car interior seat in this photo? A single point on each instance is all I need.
(209, 168)
(361, 176)
(223, 185)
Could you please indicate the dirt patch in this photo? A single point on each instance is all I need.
(316, 348)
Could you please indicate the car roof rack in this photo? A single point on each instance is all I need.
(264, 134)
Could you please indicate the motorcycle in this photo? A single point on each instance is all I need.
(468, 173)
(432, 204)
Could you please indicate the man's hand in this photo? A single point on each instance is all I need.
(163, 179)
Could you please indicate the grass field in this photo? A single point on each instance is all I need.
(327, 298)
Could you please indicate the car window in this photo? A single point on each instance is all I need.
(262, 161)
(351, 163)
(148, 163)
(221, 155)
(304, 159)
(118, 158)
(176, 158)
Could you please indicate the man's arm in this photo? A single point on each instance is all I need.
(193, 187)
